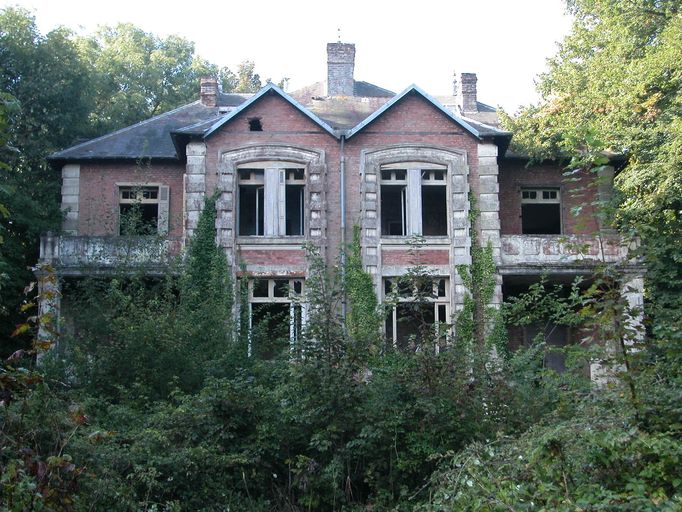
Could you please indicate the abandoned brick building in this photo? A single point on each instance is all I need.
(308, 166)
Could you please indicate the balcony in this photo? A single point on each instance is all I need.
(80, 255)
(530, 254)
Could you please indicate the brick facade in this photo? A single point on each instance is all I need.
(99, 199)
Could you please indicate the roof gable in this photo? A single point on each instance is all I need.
(267, 90)
(478, 130)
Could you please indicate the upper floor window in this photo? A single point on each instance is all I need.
(414, 199)
(271, 200)
(540, 211)
(143, 209)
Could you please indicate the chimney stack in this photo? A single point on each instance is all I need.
(209, 91)
(467, 93)
(340, 67)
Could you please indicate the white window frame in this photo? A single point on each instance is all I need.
(440, 299)
(542, 195)
(416, 175)
(161, 199)
(295, 299)
(277, 175)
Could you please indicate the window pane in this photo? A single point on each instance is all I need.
(260, 288)
(294, 210)
(281, 287)
(393, 210)
(251, 210)
(541, 219)
(414, 324)
(138, 218)
(434, 211)
(270, 329)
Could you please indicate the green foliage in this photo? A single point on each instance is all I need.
(478, 321)
(135, 75)
(364, 320)
(46, 83)
(139, 337)
(598, 460)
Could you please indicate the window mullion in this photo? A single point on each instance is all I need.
(272, 208)
(414, 202)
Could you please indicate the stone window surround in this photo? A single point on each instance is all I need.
(311, 160)
(458, 242)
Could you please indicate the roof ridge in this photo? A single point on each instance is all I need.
(121, 130)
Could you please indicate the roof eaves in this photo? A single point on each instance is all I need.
(59, 155)
(266, 90)
(397, 98)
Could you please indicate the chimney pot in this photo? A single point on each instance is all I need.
(340, 68)
(209, 91)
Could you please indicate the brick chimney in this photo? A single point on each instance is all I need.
(467, 93)
(340, 66)
(209, 91)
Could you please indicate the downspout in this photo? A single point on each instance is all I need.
(342, 200)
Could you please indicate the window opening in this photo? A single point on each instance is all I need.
(554, 336)
(540, 212)
(271, 201)
(420, 311)
(276, 315)
(138, 210)
(413, 200)
(434, 203)
(255, 125)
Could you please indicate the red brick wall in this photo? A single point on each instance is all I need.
(280, 257)
(514, 176)
(98, 199)
(408, 258)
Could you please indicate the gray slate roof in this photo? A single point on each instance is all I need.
(163, 136)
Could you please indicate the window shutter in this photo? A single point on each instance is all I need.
(162, 221)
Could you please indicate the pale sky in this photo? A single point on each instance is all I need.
(505, 42)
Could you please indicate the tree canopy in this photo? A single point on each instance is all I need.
(615, 88)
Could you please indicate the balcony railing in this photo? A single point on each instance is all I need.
(561, 250)
(76, 254)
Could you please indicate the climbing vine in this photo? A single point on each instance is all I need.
(364, 320)
(479, 321)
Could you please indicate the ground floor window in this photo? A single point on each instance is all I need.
(276, 315)
(420, 311)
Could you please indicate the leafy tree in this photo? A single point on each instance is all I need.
(49, 83)
(615, 87)
(136, 75)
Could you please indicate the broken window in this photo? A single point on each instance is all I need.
(271, 200)
(276, 314)
(414, 200)
(420, 311)
(540, 211)
(556, 338)
(143, 210)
